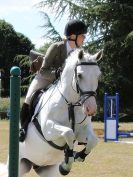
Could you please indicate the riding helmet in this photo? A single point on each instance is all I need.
(75, 27)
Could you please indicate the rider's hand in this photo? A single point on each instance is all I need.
(58, 72)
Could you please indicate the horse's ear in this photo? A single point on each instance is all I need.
(99, 55)
(81, 54)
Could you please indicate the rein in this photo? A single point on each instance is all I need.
(70, 110)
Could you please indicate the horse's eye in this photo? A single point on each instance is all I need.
(79, 75)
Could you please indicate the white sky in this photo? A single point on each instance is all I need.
(27, 20)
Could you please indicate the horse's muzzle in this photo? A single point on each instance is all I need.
(90, 106)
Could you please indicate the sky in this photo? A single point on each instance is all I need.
(26, 19)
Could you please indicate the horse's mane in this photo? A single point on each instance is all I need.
(73, 59)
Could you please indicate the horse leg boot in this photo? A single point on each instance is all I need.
(91, 142)
(80, 156)
(24, 121)
(66, 166)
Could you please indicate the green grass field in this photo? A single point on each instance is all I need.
(106, 160)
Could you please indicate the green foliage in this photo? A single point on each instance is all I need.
(6, 103)
(50, 31)
(12, 45)
(110, 26)
(43, 49)
(24, 63)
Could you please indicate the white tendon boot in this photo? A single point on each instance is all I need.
(66, 165)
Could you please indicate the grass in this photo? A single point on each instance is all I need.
(6, 103)
(106, 160)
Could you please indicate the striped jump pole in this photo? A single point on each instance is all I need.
(15, 80)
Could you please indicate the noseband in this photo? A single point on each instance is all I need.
(83, 94)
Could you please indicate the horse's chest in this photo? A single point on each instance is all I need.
(36, 150)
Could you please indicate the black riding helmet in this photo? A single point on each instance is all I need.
(76, 27)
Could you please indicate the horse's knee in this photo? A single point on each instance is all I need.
(48, 171)
(68, 134)
(24, 167)
(69, 137)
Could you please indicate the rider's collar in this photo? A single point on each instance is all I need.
(69, 49)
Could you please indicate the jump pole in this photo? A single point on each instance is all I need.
(15, 80)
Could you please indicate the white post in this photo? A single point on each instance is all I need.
(111, 109)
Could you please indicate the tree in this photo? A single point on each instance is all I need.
(12, 44)
(43, 49)
(110, 27)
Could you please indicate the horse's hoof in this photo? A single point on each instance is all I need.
(63, 171)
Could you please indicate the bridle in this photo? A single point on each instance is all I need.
(83, 94)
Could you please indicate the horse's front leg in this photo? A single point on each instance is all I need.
(91, 141)
(24, 167)
(55, 131)
(66, 165)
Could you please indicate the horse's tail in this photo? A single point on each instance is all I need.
(3, 170)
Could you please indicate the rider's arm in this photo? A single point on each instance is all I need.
(48, 62)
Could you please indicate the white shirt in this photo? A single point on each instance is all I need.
(69, 49)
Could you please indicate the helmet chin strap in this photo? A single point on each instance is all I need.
(75, 40)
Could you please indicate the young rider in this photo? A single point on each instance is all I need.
(74, 32)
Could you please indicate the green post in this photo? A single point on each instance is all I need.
(14, 121)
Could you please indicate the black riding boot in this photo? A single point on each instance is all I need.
(24, 120)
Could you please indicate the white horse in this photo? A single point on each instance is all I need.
(62, 118)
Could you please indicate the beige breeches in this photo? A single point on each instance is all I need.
(39, 82)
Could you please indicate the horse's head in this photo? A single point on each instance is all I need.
(86, 78)
(80, 79)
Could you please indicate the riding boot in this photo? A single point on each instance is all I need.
(24, 121)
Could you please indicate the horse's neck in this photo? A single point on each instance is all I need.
(67, 89)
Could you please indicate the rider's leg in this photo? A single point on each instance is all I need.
(38, 82)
